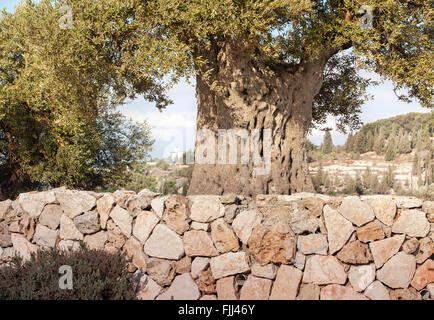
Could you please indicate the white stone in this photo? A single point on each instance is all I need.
(339, 229)
(157, 205)
(384, 209)
(69, 245)
(229, 264)
(33, 203)
(145, 223)
(149, 289)
(164, 243)
(104, 206)
(398, 271)
(75, 203)
(300, 260)
(198, 265)
(361, 276)
(245, 222)
(182, 288)
(68, 230)
(356, 211)
(268, 271)
(206, 208)
(313, 244)
(122, 219)
(413, 223)
(22, 246)
(377, 291)
(44, 236)
(199, 226)
(408, 202)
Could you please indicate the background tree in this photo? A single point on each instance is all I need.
(283, 65)
(327, 145)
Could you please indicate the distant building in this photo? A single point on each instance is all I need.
(176, 156)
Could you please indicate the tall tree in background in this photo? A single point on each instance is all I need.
(283, 65)
(327, 145)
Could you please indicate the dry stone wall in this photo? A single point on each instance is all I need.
(302, 246)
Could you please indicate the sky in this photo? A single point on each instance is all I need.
(175, 126)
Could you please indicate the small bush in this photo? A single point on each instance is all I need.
(97, 275)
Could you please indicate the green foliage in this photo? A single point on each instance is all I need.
(97, 275)
(169, 187)
(163, 165)
(58, 93)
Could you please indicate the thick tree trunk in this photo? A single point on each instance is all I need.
(247, 99)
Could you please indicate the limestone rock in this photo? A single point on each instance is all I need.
(22, 246)
(122, 196)
(231, 212)
(408, 202)
(268, 271)
(314, 205)
(50, 216)
(176, 214)
(424, 275)
(68, 245)
(339, 229)
(426, 250)
(182, 288)
(157, 205)
(199, 243)
(122, 219)
(199, 226)
(5, 236)
(384, 209)
(313, 244)
(198, 265)
(229, 264)
(134, 250)
(229, 198)
(303, 221)
(255, 289)
(226, 288)
(75, 203)
(5, 207)
(355, 253)
(324, 270)
(428, 207)
(183, 265)
(308, 291)
(104, 206)
(382, 250)
(207, 282)
(97, 240)
(206, 208)
(300, 260)
(161, 271)
(148, 289)
(405, 294)
(286, 284)
(223, 236)
(398, 271)
(115, 235)
(45, 237)
(68, 230)
(208, 297)
(356, 211)
(338, 292)
(370, 232)
(33, 203)
(411, 222)
(267, 245)
(361, 276)
(88, 222)
(145, 223)
(173, 249)
(377, 291)
(410, 246)
(244, 224)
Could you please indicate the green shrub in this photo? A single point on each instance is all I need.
(96, 275)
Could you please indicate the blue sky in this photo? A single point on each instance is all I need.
(175, 126)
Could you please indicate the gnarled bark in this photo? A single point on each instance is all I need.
(246, 98)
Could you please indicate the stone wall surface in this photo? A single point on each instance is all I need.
(302, 246)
